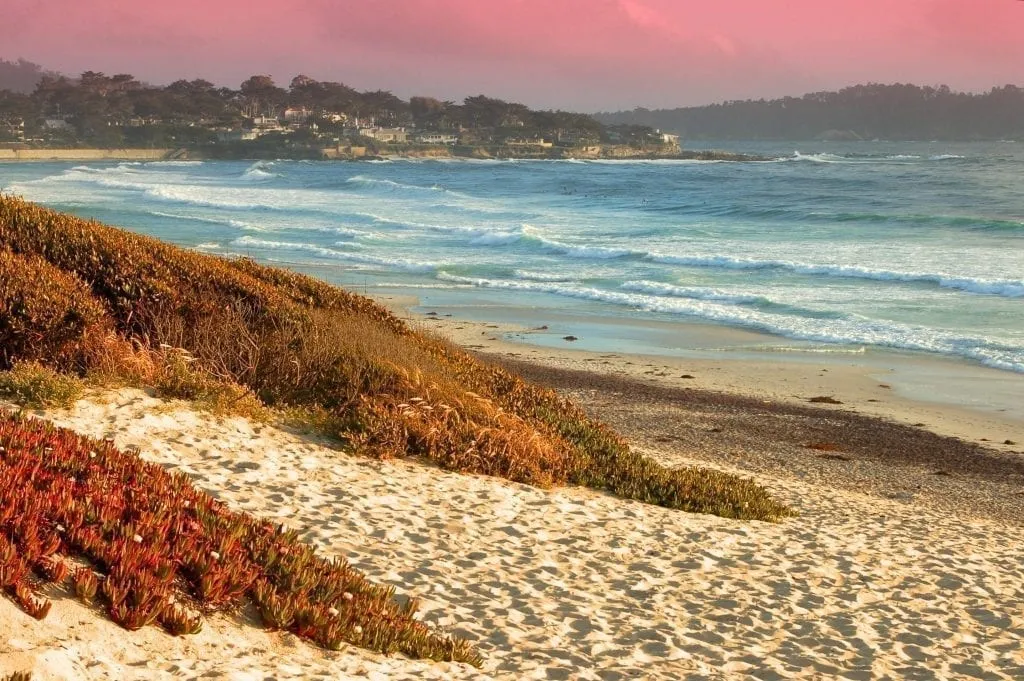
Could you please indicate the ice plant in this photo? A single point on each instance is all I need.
(157, 551)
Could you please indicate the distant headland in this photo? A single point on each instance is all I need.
(861, 112)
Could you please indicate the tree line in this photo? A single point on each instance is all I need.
(872, 111)
(97, 109)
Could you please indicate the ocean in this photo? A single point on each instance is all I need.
(827, 248)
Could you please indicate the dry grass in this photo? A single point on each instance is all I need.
(36, 386)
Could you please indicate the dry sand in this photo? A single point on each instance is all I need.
(877, 578)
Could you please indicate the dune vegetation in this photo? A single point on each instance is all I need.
(83, 301)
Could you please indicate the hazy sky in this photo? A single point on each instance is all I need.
(575, 54)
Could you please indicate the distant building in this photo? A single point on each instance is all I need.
(388, 135)
(528, 142)
(669, 139)
(300, 115)
(56, 124)
(437, 138)
(13, 128)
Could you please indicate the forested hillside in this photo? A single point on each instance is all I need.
(873, 111)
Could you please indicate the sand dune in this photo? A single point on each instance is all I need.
(564, 584)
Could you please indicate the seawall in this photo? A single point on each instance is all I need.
(86, 154)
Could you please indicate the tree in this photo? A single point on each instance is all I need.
(262, 97)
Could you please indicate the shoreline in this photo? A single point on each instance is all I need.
(978, 405)
(56, 155)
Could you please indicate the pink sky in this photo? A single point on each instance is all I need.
(576, 54)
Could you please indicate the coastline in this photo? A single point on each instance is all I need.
(361, 154)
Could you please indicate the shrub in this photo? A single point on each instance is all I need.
(36, 386)
(45, 313)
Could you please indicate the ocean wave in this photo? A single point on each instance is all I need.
(818, 158)
(496, 238)
(259, 172)
(333, 254)
(478, 236)
(841, 331)
(174, 164)
(391, 185)
(865, 158)
(228, 222)
(540, 276)
(1005, 288)
(584, 252)
(221, 197)
(660, 289)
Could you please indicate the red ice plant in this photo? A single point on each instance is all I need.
(159, 551)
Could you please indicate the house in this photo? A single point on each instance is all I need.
(669, 139)
(528, 142)
(388, 135)
(13, 128)
(297, 115)
(265, 124)
(437, 138)
(56, 124)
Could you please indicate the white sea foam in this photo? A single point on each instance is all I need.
(660, 289)
(997, 287)
(259, 172)
(229, 222)
(496, 238)
(391, 185)
(818, 158)
(530, 275)
(174, 164)
(854, 330)
(577, 250)
(333, 254)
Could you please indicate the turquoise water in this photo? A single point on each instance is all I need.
(838, 247)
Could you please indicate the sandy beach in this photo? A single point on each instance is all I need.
(902, 562)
